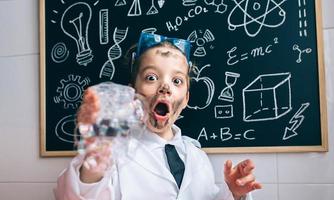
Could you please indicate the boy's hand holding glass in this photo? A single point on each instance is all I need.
(105, 118)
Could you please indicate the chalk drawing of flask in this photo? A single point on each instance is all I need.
(75, 23)
(114, 52)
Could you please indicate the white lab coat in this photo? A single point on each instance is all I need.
(140, 176)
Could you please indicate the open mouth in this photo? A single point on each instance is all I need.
(161, 109)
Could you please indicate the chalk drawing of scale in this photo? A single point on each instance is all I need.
(114, 52)
(256, 15)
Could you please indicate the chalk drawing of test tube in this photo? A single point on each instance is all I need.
(75, 23)
(114, 52)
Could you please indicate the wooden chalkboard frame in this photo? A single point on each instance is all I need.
(322, 99)
(42, 88)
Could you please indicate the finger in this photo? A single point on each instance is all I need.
(90, 163)
(227, 168)
(104, 162)
(89, 108)
(86, 131)
(106, 149)
(248, 166)
(104, 159)
(253, 186)
(87, 113)
(97, 159)
(245, 180)
(90, 96)
(256, 186)
(92, 145)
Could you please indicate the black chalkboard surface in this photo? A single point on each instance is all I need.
(258, 84)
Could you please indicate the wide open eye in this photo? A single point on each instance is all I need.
(151, 77)
(161, 109)
(178, 81)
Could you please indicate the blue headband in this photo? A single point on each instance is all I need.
(149, 40)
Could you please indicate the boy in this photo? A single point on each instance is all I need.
(161, 76)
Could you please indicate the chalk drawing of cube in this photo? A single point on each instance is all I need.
(268, 97)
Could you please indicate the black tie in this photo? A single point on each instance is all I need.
(175, 163)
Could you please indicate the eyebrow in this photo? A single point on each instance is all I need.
(147, 67)
(151, 67)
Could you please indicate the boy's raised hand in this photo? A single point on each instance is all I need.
(240, 179)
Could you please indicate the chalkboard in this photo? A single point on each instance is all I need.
(258, 78)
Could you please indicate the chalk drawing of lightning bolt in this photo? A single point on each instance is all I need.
(296, 121)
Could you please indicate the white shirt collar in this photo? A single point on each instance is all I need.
(152, 140)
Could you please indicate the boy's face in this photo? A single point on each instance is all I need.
(163, 81)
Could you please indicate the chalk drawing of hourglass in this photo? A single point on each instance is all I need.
(75, 22)
(227, 93)
(114, 52)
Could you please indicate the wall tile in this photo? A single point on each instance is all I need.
(27, 191)
(20, 159)
(19, 27)
(327, 13)
(306, 168)
(19, 123)
(329, 62)
(306, 191)
(265, 171)
(19, 81)
(268, 192)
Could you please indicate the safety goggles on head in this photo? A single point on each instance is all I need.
(148, 40)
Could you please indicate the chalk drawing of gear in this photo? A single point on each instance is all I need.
(200, 42)
(71, 90)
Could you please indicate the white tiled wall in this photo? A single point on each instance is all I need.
(328, 14)
(26, 176)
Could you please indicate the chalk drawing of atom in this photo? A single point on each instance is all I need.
(253, 15)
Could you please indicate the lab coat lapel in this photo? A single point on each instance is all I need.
(147, 160)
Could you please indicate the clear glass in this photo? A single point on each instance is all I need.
(120, 119)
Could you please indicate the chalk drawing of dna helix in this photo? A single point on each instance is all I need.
(114, 52)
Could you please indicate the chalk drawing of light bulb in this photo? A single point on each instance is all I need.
(75, 23)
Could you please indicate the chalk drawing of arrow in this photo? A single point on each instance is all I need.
(296, 121)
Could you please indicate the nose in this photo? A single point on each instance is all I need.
(164, 89)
